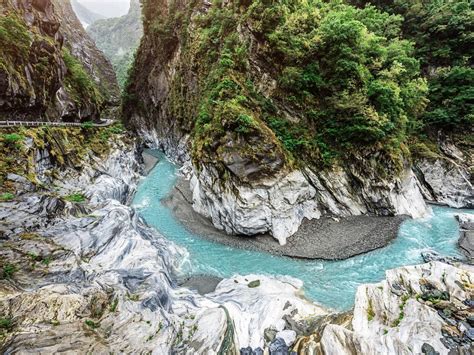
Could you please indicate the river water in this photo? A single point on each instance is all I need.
(330, 283)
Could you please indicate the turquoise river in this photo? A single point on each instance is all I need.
(329, 283)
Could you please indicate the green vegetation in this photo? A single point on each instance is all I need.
(7, 196)
(66, 146)
(47, 260)
(442, 32)
(107, 132)
(13, 138)
(451, 98)
(435, 296)
(315, 82)
(78, 82)
(87, 125)
(113, 306)
(8, 270)
(370, 311)
(76, 198)
(122, 67)
(397, 321)
(14, 37)
(348, 69)
(91, 324)
(133, 297)
(6, 324)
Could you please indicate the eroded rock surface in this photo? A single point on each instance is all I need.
(416, 309)
(466, 240)
(446, 178)
(90, 276)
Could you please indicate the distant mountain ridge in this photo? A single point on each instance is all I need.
(85, 15)
(119, 38)
(107, 8)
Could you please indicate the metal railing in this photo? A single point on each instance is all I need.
(4, 124)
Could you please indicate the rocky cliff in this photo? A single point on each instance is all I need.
(274, 138)
(119, 38)
(84, 49)
(42, 76)
(445, 171)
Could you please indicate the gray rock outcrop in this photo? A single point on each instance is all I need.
(416, 309)
(466, 240)
(446, 178)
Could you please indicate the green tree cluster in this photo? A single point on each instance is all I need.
(342, 76)
(343, 70)
(443, 34)
(347, 68)
(78, 82)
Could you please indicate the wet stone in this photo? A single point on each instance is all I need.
(278, 347)
(427, 349)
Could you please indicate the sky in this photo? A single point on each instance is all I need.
(107, 8)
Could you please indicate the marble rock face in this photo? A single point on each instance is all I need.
(446, 182)
(466, 241)
(92, 277)
(415, 308)
(278, 206)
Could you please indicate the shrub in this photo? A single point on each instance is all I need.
(6, 324)
(78, 82)
(8, 271)
(76, 198)
(245, 123)
(7, 196)
(14, 37)
(13, 138)
(451, 99)
(91, 324)
(87, 125)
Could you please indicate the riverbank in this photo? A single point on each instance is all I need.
(326, 238)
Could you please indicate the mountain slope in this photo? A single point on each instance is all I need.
(119, 38)
(286, 110)
(41, 72)
(84, 49)
(86, 16)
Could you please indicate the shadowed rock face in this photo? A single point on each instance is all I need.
(50, 70)
(466, 241)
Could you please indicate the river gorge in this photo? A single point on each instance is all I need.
(330, 283)
(237, 177)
